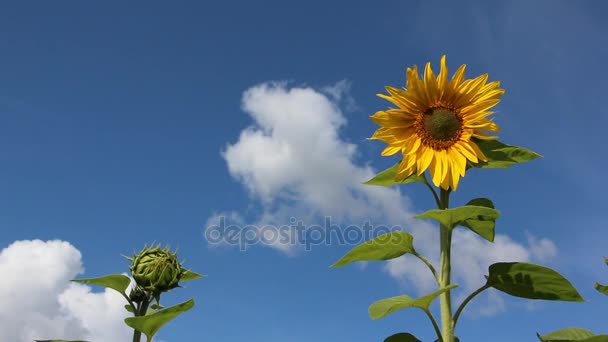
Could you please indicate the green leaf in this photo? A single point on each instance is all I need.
(526, 280)
(156, 306)
(118, 282)
(480, 218)
(387, 177)
(501, 155)
(386, 246)
(482, 202)
(596, 338)
(402, 337)
(149, 325)
(387, 306)
(190, 275)
(485, 226)
(601, 288)
(572, 335)
(129, 308)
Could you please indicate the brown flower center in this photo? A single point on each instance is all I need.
(439, 127)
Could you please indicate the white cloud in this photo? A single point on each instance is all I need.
(39, 301)
(293, 160)
(293, 157)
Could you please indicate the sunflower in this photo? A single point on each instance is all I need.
(436, 121)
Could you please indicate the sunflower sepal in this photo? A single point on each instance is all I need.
(501, 156)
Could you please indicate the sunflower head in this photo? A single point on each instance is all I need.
(435, 122)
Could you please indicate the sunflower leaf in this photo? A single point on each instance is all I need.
(402, 337)
(150, 324)
(387, 178)
(384, 247)
(387, 306)
(601, 288)
(501, 155)
(526, 280)
(572, 335)
(478, 215)
(118, 282)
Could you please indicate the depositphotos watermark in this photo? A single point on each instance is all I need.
(296, 233)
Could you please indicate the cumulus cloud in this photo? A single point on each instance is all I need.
(39, 302)
(293, 162)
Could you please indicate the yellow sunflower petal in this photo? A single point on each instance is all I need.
(442, 78)
(458, 77)
(478, 151)
(446, 182)
(459, 162)
(393, 118)
(413, 145)
(479, 107)
(433, 170)
(425, 156)
(391, 149)
(488, 95)
(483, 136)
(467, 151)
(430, 84)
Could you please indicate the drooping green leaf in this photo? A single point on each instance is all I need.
(387, 306)
(387, 177)
(118, 282)
(526, 280)
(601, 288)
(149, 325)
(384, 247)
(129, 308)
(572, 335)
(190, 275)
(484, 226)
(481, 219)
(501, 155)
(402, 337)
(482, 202)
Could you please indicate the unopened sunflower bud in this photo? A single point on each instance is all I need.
(156, 270)
(137, 294)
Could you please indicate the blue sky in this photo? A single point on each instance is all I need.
(131, 123)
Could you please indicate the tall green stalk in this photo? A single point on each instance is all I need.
(445, 300)
(141, 311)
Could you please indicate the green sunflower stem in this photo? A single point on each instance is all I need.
(445, 300)
(141, 311)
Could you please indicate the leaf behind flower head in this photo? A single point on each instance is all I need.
(501, 156)
(387, 177)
